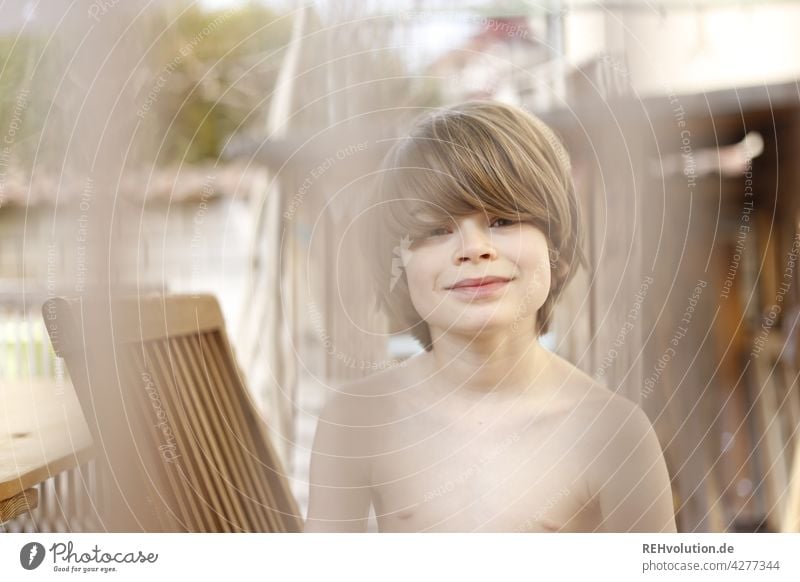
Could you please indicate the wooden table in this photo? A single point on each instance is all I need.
(42, 432)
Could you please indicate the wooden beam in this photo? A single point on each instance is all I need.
(27, 500)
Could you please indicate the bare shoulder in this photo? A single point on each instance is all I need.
(617, 430)
(624, 465)
(581, 390)
(346, 431)
(603, 411)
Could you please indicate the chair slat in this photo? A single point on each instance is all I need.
(278, 492)
(185, 517)
(253, 451)
(209, 431)
(245, 455)
(202, 441)
(221, 429)
(193, 474)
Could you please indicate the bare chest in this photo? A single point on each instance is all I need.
(482, 472)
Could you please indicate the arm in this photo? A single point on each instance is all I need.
(630, 477)
(339, 484)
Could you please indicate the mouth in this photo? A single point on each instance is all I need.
(480, 282)
(484, 288)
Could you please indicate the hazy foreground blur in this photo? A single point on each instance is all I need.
(227, 148)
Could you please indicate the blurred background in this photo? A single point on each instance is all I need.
(228, 148)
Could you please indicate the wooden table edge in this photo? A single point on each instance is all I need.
(32, 478)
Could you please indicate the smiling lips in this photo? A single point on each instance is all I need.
(480, 287)
(479, 282)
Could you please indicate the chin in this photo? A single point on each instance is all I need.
(475, 323)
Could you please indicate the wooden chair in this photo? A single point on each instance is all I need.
(183, 445)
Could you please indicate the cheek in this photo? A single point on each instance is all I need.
(535, 287)
(421, 277)
(535, 265)
(540, 272)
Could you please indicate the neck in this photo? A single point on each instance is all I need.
(487, 363)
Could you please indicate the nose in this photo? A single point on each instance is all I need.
(476, 244)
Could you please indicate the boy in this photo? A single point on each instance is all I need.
(485, 430)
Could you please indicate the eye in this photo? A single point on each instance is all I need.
(500, 222)
(439, 231)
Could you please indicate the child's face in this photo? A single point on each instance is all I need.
(474, 247)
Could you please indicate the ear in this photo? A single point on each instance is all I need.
(405, 249)
(560, 270)
(558, 266)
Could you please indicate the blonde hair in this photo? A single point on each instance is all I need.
(479, 155)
